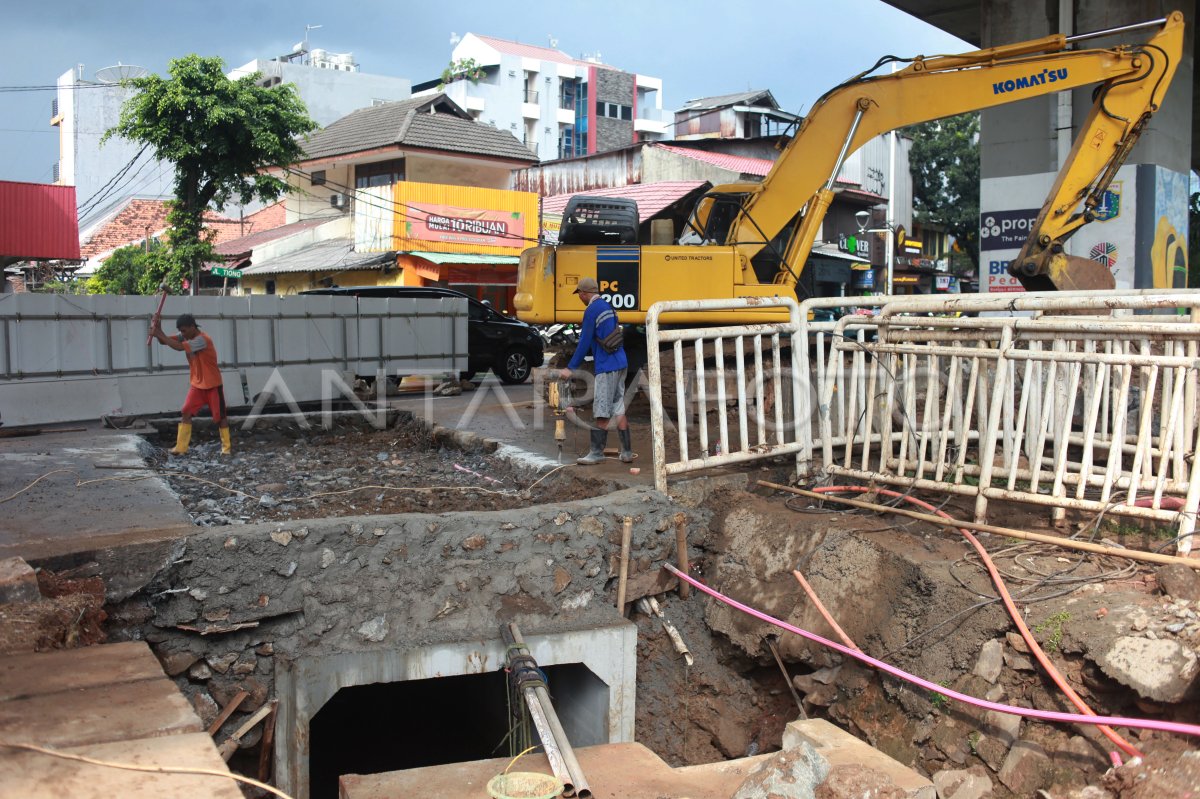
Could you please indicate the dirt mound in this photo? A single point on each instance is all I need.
(70, 614)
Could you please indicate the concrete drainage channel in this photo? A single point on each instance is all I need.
(375, 621)
(379, 635)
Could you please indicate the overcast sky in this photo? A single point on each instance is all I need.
(797, 49)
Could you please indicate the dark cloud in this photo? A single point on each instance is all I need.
(698, 48)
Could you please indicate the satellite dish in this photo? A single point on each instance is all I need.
(120, 72)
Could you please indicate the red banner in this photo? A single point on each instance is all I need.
(464, 225)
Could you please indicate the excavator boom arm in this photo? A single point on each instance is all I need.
(1131, 83)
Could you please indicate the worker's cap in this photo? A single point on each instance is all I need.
(587, 284)
(185, 320)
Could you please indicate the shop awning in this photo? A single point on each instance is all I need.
(830, 251)
(465, 258)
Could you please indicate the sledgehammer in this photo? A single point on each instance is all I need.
(157, 319)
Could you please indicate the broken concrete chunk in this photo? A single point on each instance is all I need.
(18, 581)
(1179, 581)
(288, 570)
(1026, 769)
(1015, 660)
(1017, 642)
(206, 708)
(591, 525)
(562, 578)
(794, 773)
(970, 783)
(198, 594)
(327, 558)
(176, 663)
(1162, 670)
(991, 661)
(474, 543)
(374, 630)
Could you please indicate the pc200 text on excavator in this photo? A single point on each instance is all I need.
(753, 239)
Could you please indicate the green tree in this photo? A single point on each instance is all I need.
(136, 269)
(220, 134)
(463, 68)
(944, 162)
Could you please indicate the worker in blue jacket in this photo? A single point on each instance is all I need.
(599, 322)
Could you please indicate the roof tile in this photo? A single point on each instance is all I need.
(432, 123)
(140, 219)
(735, 163)
(650, 197)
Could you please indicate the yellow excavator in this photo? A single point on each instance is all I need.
(753, 239)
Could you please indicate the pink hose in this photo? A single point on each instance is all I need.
(1045, 715)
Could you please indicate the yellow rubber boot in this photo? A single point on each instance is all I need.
(226, 445)
(183, 437)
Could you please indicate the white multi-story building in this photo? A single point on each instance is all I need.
(559, 106)
(107, 176)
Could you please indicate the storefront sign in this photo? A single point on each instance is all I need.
(1005, 230)
(855, 245)
(863, 279)
(464, 225)
(942, 282)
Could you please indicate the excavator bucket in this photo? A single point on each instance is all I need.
(1070, 273)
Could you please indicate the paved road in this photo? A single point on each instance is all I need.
(513, 415)
(93, 492)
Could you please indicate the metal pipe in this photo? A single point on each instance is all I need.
(560, 736)
(1137, 26)
(541, 724)
(841, 158)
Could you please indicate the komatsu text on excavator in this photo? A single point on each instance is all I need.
(753, 239)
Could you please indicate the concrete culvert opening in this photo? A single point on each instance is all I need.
(370, 729)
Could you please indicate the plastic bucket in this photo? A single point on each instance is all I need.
(524, 785)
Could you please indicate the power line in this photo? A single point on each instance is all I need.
(107, 189)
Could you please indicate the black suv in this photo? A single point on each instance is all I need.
(509, 347)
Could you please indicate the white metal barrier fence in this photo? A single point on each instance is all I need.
(1095, 413)
(66, 358)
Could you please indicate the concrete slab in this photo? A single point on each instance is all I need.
(92, 495)
(841, 748)
(626, 770)
(38, 776)
(99, 714)
(42, 673)
(110, 702)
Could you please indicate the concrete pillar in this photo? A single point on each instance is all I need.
(1144, 237)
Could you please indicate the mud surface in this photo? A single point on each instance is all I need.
(353, 470)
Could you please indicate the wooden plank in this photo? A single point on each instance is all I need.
(40, 673)
(124, 711)
(37, 776)
(659, 581)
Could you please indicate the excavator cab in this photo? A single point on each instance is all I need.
(599, 220)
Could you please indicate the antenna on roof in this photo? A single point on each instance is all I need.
(553, 42)
(118, 73)
(308, 28)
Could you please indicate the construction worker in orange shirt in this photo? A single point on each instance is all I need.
(206, 387)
